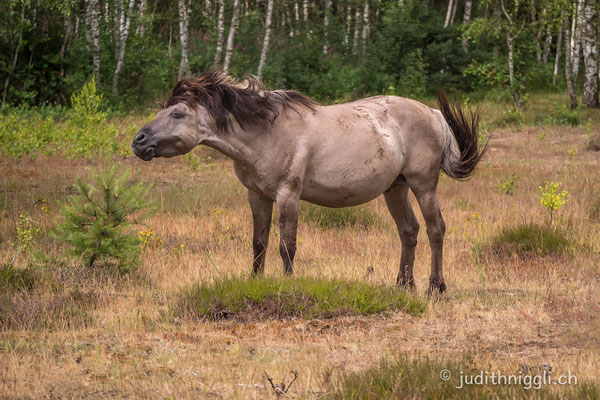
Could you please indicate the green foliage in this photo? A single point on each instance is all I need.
(507, 185)
(424, 378)
(551, 199)
(96, 222)
(512, 117)
(262, 298)
(527, 238)
(26, 231)
(329, 218)
(564, 116)
(82, 131)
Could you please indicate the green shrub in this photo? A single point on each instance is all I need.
(264, 298)
(329, 218)
(530, 238)
(564, 116)
(512, 117)
(507, 185)
(96, 222)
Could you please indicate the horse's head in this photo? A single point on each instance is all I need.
(175, 130)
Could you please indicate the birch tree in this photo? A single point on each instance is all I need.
(590, 54)
(220, 32)
(511, 34)
(365, 28)
(141, 29)
(265, 46)
(124, 33)
(576, 38)
(466, 20)
(568, 68)
(356, 30)
(184, 20)
(94, 10)
(559, 46)
(231, 36)
(326, 26)
(449, 13)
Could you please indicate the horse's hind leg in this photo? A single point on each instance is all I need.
(425, 192)
(262, 209)
(408, 228)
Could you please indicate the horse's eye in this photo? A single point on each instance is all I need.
(177, 115)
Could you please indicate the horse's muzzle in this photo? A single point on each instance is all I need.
(142, 146)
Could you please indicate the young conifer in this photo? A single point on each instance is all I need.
(97, 219)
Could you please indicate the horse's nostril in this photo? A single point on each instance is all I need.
(140, 137)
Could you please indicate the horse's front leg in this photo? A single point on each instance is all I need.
(287, 207)
(262, 209)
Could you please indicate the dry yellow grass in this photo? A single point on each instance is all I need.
(505, 313)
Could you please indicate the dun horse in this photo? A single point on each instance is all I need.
(287, 148)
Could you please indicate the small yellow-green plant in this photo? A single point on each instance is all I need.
(507, 185)
(26, 231)
(551, 199)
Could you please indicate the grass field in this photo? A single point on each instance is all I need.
(523, 297)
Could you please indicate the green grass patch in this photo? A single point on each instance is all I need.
(531, 239)
(329, 218)
(275, 298)
(16, 279)
(420, 378)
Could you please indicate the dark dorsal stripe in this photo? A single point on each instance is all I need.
(225, 97)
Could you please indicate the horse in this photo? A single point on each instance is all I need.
(286, 147)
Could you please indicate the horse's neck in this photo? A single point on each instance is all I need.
(235, 144)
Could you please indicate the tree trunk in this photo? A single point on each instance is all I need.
(538, 35)
(466, 20)
(305, 10)
(348, 25)
(141, 29)
(449, 13)
(547, 45)
(265, 46)
(558, 51)
(183, 36)
(356, 30)
(576, 39)
(590, 54)
(365, 28)
(231, 36)
(510, 37)
(95, 14)
(326, 26)
(63, 48)
(124, 29)
(454, 8)
(568, 68)
(296, 17)
(15, 56)
(221, 32)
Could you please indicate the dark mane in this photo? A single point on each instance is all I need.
(224, 97)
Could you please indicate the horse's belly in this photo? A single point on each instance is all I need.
(346, 188)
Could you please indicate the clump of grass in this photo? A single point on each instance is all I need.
(16, 279)
(530, 238)
(564, 116)
(329, 218)
(594, 142)
(275, 298)
(422, 378)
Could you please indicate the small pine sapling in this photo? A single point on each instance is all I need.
(97, 219)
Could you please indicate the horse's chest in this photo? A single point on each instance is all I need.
(253, 179)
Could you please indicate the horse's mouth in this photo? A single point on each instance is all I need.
(147, 154)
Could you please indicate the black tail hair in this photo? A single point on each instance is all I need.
(461, 164)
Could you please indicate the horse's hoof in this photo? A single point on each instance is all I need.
(436, 287)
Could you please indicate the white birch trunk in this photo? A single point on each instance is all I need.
(122, 45)
(559, 45)
(141, 29)
(183, 36)
(365, 28)
(296, 17)
(356, 30)
(326, 26)
(590, 54)
(454, 8)
(305, 10)
(449, 13)
(265, 46)
(547, 45)
(221, 33)
(231, 36)
(466, 20)
(568, 67)
(95, 15)
(576, 40)
(348, 25)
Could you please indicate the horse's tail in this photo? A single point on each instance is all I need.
(462, 146)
